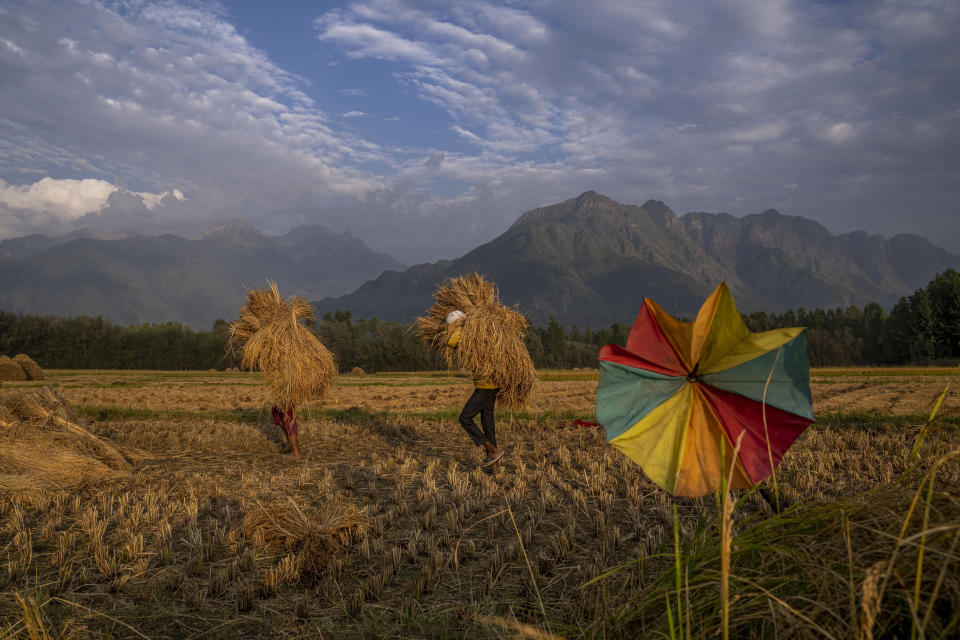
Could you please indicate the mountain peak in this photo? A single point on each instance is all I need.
(658, 208)
(235, 228)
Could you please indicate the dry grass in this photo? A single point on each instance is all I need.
(43, 447)
(491, 345)
(296, 367)
(314, 534)
(175, 548)
(31, 368)
(11, 370)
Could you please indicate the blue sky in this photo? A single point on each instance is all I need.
(427, 128)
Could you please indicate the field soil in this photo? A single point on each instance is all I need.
(562, 539)
(886, 391)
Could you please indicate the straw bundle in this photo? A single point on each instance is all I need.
(296, 366)
(11, 370)
(41, 446)
(491, 343)
(315, 534)
(31, 368)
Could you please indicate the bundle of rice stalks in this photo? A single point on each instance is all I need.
(491, 343)
(11, 370)
(42, 446)
(296, 366)
(31, 368)
(316, 535)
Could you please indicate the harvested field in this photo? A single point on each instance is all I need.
(392, 530)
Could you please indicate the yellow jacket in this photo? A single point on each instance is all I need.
(479, 383)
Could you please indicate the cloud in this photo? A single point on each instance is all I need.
(50, 204)
(505, 106)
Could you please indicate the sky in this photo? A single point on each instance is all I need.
(426, 128)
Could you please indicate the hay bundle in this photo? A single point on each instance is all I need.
(357, 371)
(314, 534)
(491, 343)
(31, 368)
(296, 366)
(42, 446)
(11, 370)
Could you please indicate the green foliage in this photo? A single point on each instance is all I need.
(95, 343)
(921, 328)
(926, 325)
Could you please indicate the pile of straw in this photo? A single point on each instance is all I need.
(491, 343)
(31, 368)
(11, 370)
(296, 366)
(42, 446)
(316, 535)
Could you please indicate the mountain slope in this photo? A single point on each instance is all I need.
(590, 260)
(168, 278)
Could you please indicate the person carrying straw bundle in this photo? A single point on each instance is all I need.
(477, 333)
(296, 366)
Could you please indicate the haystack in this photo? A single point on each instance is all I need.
(296, 366)
(31, 368)
(42, 446)
(315, 534)
(491, 342)
(357, 371)
(11, 370)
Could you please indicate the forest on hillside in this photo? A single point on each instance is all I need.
(922, 328)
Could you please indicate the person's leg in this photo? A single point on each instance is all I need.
(291, 429)
(473, 406)
(487, 417)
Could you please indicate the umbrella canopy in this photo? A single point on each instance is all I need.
(677, 389)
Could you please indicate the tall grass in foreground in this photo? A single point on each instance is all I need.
(882, 563)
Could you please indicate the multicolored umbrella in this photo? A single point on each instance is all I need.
(677, 389)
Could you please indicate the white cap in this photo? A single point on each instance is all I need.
(455, 315)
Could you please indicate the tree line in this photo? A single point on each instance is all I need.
(921, 328)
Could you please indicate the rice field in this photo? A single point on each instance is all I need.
(386, 528)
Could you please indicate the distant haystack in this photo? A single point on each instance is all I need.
(43, 447)
(357, 371)
(32, 369)
(11, 370)
(296, 366)
(491, 344)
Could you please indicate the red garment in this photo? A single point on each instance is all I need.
(285, 420)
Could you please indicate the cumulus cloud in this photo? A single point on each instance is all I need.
(50, 204)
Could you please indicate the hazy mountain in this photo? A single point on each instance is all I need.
(26, 246)
(168, 278)
(590, 260)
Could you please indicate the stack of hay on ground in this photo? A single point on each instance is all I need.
(314, 534)
(491, 341)
(296, 366)
(11, 370)
(42, 446)
(31, 368)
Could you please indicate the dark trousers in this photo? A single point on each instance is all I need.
(480, 402)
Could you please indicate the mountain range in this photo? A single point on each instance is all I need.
(587, 261)
(130, 279)
(590, 260)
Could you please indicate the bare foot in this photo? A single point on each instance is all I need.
(294, 445)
